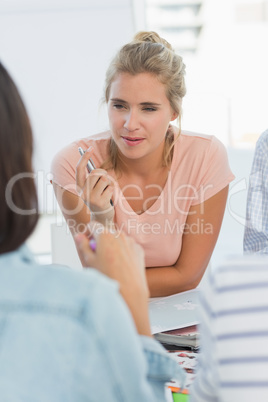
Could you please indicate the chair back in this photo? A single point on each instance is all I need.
(63, 249)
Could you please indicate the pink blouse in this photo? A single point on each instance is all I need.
(199, 170)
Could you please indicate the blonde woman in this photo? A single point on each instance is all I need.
(165, 187)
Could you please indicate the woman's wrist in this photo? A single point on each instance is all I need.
(137, 302)
(105, 220)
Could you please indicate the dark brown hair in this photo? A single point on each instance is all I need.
(18, 197)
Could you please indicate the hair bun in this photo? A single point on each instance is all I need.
(151, 36)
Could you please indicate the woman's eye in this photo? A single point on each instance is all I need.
(149, 109)
(118, 106)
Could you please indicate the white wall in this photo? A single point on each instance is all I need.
(57, 52)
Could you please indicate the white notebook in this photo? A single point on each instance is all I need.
(173, 312)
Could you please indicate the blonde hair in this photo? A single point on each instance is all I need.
(150, 53)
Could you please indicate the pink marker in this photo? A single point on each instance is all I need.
(93, 244)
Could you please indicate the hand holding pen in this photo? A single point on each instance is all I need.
(120, 258)
(96, 189)
(90, 164)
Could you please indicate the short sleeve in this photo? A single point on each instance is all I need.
(63, 167)
(215, 171)
(256, 229)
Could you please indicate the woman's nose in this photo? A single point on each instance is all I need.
(131, 121)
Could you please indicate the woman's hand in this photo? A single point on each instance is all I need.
(120, 258)
(96, 190)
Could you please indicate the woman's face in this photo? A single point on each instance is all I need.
(139, 114)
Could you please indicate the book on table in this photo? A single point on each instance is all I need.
(174, 319)
(182, 337)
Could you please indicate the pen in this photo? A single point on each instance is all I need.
(90, 166)
(90, 163)
(92, 244)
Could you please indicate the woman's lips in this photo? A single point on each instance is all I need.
(132, 141)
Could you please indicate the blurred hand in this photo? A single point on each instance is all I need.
(119, 257)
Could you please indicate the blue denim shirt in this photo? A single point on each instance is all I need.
(68, 336)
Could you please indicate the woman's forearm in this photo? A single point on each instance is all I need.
(165, 281)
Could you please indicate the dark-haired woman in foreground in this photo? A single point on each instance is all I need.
(64, 335)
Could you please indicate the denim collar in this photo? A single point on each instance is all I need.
(21, 254)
